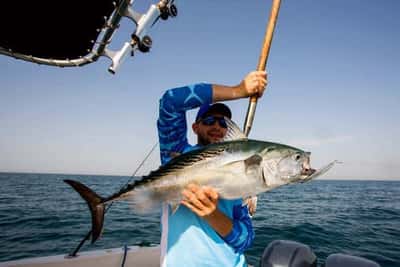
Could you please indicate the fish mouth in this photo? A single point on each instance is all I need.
(307, 171)
(310, 174)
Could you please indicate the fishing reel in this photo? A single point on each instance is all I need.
(168, 11)
(143, 45)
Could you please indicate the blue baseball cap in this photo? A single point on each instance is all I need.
(219, 108)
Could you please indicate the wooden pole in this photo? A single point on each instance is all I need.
(262, 62)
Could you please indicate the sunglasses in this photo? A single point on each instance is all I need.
(210, 120)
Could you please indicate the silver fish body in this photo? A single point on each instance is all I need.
(236, 169)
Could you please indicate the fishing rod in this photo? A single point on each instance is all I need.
(87, 236)
(262, 62)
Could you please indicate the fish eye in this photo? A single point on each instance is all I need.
(297, 157)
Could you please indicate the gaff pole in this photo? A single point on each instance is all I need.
(262, 62)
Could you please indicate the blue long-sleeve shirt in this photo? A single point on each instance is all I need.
(188, 240)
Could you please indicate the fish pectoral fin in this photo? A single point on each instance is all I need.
(252, 161)
(252, 166)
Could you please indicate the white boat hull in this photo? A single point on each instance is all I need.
(135, 256)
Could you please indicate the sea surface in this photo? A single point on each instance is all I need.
(40, 215)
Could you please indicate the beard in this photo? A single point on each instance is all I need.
(203, 141)
(210, 138)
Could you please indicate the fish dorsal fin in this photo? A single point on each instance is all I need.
(233, 132)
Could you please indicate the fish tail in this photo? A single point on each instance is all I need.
(96, 206)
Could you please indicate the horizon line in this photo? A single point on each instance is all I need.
(120, 175)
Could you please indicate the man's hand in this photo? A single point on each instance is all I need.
(251, 203)
(253, 84)
(201, 200)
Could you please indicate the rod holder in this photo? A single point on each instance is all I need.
(118, 57)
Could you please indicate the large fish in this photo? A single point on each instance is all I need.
(237, 167)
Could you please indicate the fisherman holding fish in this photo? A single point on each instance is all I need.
(206, 230)
(200, 188)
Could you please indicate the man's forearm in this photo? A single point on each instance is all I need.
(221, 223)
(224, 93)
(253, 84)
(237, 232)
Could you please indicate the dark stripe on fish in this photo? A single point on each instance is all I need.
(179, 163)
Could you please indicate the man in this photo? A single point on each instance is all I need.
(204, 230)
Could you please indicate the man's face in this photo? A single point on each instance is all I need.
(209, 129)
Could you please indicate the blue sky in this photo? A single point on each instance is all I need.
(333, 88)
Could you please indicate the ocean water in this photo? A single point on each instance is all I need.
(40, 215)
